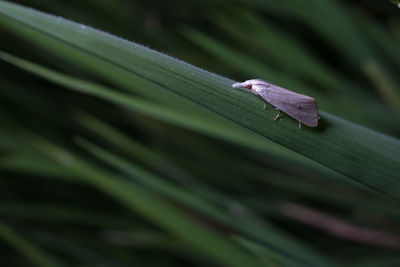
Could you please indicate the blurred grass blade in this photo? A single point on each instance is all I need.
(361, 154)
(361, 111)
(153, 208)
(81, 253)
(138, 151)
(152, 181)
(340, 32)
(264, 40)
(281, 242)
(168, 114)
(331, 21)
(336, 25)
(266, 254)
(61, 213)
(188, 120)
(384, 84)
(37, 256)
(116, 139)
(384, 40)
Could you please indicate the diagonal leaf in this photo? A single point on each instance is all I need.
(266, 233)
(37, 256)
(188, 120)
(147, 204)
(342, 146)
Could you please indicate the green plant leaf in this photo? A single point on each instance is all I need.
(151, 207)
(169, 114)
(36, 255)
(338, 144)
(264, 232)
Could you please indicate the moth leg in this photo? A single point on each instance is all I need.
(299, 125)
(277, 115)
(265, 102)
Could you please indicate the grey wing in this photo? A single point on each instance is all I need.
(302, 108)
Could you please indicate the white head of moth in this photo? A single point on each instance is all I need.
(301, 107)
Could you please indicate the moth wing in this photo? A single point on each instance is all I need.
(302, 108)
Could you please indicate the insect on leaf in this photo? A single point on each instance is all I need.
(301, 107)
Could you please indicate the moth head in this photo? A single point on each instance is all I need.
(249, 83)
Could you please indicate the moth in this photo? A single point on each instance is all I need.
(301, 107)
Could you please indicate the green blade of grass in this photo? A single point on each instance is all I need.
(266, 253)
(63, 214)
(268, 234)
(188, 120)
(330, 21)
(153, 208)
(337, 25)
(168, 114)
(116, 139)
(361, 112)
(265, 39)
(36, 256)
(361, 154)
(157, 184)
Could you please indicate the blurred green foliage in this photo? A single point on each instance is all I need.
(104, 163)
